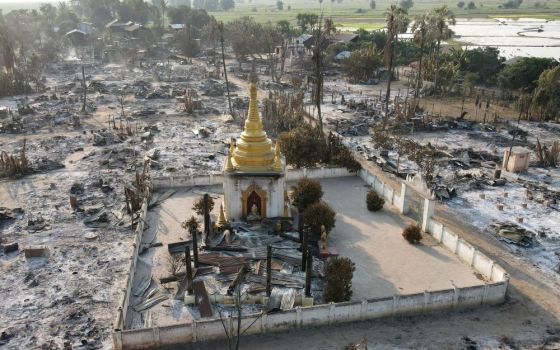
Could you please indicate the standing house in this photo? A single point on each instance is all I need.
(517, 160)
(254, 173)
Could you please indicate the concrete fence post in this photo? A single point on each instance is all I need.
(484, 294)
(403, 208)
(156, 336)
(429, 206)
(492, 263)
(473, 257)
(264, 320)
(426, 300)
(456, 293)
(117, 341)
(194, 335)
(363, 308)
(331, 312)
(457, 241)
(299, 318)
(396, 299)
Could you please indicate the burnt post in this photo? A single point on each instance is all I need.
(85, 89)
(206, 217)
(189, 269)
(308, 268)
(195, 246)
(304, 249)
(300, 223)
(268, 270)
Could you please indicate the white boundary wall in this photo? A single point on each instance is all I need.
(120, 319)
(203, 330)
(171, 182)
(491, 292)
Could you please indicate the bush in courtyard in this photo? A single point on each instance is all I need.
(198, 206)
(338, 279)
(317, 214)
(306, 192)
(373, 201)
(412, 233)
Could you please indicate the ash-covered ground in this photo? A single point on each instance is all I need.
(69, 297)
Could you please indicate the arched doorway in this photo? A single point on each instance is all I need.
(254, 200)
(254, 195)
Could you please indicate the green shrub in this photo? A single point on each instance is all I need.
(317, 214)
(373, 201)
(338, 279)
(306, 192)
(412, 233)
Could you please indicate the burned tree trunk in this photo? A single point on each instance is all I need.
(85, 90)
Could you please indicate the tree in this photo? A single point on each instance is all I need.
(372, 4)
(512, 4)
(303, 146)
(523, 75)
(471, 5)
(338, 279)
(198, 206)
(362, 64)
(486, 62)
(470, 81)
(306, 192)
(227, 5)
(546, 99)
(420, 28)
(269, 37)
(397, 22)
(197, 18)
(461, 4)
(241, 34)
(321, 32)
(317, 215)
(221, 30)
(279, 5)
(306, 20)
(406, 4)
(186, 42)
(442, 18)
(163, 7)
(285, 28)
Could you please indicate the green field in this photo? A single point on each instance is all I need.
(345, 14)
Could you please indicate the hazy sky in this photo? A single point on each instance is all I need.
(24, 1)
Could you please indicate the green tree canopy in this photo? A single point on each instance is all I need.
(303, 146)
(306, 192)
(523, 75)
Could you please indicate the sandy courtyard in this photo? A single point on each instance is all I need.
(385, 263)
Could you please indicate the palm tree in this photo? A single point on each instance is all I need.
(163, 6)
(442, 18)
(397, 22)
(420, 28)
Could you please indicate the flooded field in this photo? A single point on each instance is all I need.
(514, 37)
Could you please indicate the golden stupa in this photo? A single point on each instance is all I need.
(254, 151)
